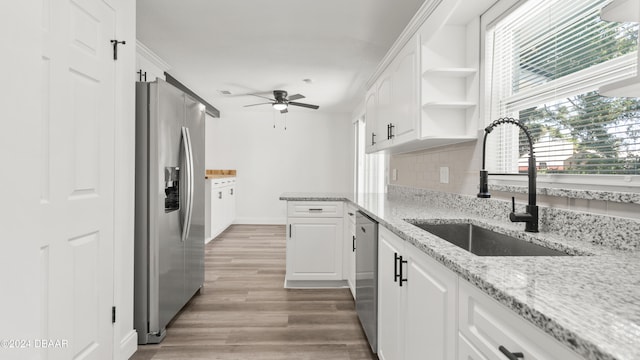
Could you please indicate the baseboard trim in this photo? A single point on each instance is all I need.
(315, 284)
(260, 221)
(129, 345)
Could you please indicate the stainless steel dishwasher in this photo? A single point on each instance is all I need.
(367, 276)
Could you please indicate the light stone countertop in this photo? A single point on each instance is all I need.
(589, 302)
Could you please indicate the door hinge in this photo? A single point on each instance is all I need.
(115, 47)
(113, 314)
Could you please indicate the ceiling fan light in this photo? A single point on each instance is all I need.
(279, 106)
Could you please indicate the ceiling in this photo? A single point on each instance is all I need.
(256, 46)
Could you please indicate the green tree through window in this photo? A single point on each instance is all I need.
(605, 131)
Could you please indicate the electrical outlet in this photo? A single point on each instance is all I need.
(394, 174)
(444, 174)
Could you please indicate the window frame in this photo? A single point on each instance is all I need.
(497, 12)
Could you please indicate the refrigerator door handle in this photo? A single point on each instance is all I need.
(188, 167)
(191, 181)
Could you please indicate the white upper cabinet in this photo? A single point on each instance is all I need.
(385, 108)
(149, 66)
(435, 89)
(391, 103)
(450, 69)
(404, 124)
(371, 119)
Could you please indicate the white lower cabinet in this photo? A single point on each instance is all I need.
(466, 351)
(416, 303)
(349, 255)
(489, 326)
(221, 205)
(315, 239)
(390, 315)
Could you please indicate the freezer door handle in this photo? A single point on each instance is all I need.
(186, 142)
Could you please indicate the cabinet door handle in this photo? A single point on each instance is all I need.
(350, 214)
(395, 267)
(373, 139)
(219, 194)
(509, 354)
(391, 127)
(388, 131)
(363, 229)
(400, 264)
(289, 230)
(231, 191)
(353, 242)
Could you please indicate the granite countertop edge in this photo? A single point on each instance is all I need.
(455, 259)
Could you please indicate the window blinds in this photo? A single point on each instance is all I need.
(547, 59)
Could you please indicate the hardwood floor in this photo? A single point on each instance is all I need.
(244, 312)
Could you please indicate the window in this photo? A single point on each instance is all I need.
(545, 61)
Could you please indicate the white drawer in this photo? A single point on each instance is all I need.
(222, 182)
(315, 209)
(351, 214)
(488, 325)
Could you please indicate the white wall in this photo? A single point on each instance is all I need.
(314, 154)
(20, 253)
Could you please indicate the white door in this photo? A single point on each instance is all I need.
(405, 90)
(314, 249)
(385, 108)
(389, 296)
(77, 203)
(371, 120)
(431, 302)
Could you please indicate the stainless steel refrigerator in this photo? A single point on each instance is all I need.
(169, 210)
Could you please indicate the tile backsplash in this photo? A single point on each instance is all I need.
(421, 170)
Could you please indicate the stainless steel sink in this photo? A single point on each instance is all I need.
(484, 242)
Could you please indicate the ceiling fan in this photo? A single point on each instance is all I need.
(281, 102)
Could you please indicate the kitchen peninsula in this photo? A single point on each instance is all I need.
(578, 300)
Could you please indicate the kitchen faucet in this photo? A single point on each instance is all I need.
(530, 217)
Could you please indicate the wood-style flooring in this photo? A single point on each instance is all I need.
(244, 312)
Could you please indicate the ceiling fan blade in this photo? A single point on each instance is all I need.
(284, 111)
(304, 105)
(264, 97)
(257, 104)
(295, 97)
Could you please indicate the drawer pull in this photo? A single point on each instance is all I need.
(354, 243)
(312, 209)
(400, 278)
(395, 267)
(509, 354)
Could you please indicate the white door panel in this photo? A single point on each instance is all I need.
(77, 186)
